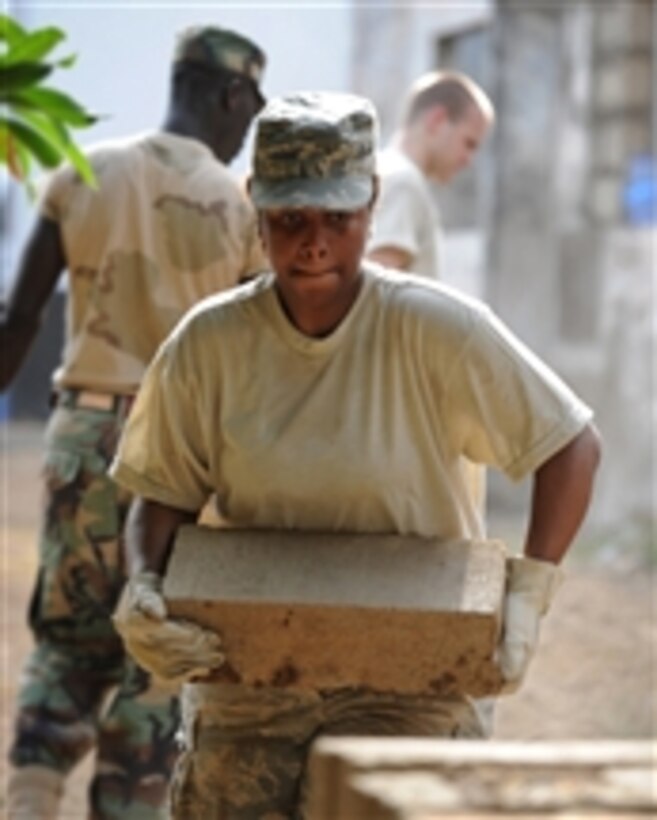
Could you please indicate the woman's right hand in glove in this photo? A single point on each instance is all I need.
(172, 650)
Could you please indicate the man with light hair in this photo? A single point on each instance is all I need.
(447, 117)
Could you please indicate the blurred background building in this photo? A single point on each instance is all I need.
(555, 223)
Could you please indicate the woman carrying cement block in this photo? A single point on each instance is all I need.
(332, 395)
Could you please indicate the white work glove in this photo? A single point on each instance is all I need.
(530, 587)
(172, 650)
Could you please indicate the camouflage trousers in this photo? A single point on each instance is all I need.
(78, 690)
(246, 749)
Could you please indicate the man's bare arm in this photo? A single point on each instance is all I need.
(41, 264)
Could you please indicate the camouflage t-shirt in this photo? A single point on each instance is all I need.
(167, 226)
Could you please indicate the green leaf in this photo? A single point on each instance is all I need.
(10, 30)
(5, 146)
(54, 103)
(34, 121)
(50, 128)
(45, 152)
(23, 159)
(81, 164)
(56, 133)
(21, 167)
(67, 62)
(18, 76)
(32, 47)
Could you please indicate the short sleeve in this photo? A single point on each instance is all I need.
(509, 409)
(161, 454)
(53, 193)
(396, 218)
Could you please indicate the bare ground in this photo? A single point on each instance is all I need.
(594, 676)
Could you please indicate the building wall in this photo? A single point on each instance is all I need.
(553, 225)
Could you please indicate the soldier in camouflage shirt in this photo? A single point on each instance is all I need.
(364, 389)
(167, 226)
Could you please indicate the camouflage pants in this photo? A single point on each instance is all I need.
(246, 749)
(78, 690)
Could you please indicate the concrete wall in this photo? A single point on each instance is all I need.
(393, 44)
(554, 239)
(422, 779)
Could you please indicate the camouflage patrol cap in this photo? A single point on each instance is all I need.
(314, 149)
(213, 47)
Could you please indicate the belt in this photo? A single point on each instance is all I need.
(93, 400)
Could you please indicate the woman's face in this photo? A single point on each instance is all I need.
(316, 255)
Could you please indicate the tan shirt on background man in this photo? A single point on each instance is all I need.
(171, 223)
(406, 217)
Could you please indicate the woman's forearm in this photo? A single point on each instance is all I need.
(150, 532)
(561, 496)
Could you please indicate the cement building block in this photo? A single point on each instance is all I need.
(325, 611)
(413, 778)
(639, 137)
(606, 197)
(426, 797)
(624, 25)
(610, 146)
(623, 83)
(617, 141)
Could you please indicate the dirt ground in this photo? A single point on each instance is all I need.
(594, 676)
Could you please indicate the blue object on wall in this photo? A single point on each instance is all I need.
(640, 191)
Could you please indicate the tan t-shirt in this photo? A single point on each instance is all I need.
(360, 431)
(405, 216)
(168, 226)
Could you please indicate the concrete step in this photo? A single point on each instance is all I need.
(422, 779)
